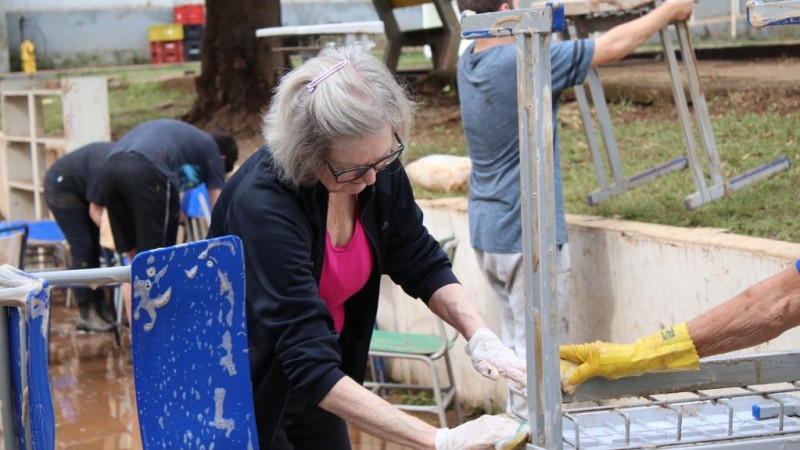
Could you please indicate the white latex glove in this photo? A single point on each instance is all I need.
(485, 432)
(491, 358)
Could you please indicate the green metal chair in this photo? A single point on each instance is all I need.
(425, 348)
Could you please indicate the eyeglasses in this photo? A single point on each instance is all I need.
(348, 175)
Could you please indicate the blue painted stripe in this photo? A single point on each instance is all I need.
(797, 265)
(772, 22)
(486, 33)
(786, 21)
(558, 16)
(781, 163)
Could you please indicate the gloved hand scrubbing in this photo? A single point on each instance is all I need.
(491, 358)
(485, 432)
(671, 349)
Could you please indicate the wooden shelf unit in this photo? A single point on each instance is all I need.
(28, 149)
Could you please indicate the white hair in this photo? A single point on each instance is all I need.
(355, 101)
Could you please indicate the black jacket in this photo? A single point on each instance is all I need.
(293, 346)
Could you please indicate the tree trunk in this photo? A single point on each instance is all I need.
(237, 78)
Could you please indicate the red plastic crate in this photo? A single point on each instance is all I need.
(189, 14)
(166, 52)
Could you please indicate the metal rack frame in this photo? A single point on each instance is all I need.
(532, 29)
(697, 419)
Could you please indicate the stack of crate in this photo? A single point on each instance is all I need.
(191, 17)
(166, 43)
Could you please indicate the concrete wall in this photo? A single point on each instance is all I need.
(86, 38)
(629, 279)
(81, 33)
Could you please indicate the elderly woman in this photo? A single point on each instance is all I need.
(324, 209)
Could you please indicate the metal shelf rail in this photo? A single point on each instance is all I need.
(697, 418)
(760, 14)
(713, 406)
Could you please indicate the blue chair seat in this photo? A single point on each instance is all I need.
(39, 231)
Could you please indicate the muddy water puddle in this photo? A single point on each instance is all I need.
(93, 395)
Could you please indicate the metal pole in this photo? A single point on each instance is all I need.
(532, 28)
(92, 278)
(538, 237)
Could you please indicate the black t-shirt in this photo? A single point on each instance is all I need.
(186, 154)
(78, 171)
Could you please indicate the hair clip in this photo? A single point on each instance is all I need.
(316, 81)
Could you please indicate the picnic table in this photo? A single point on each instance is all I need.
(307, 40)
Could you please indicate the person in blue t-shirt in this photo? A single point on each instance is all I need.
(487, 89)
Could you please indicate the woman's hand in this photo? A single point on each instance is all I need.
(485, 432)
(491, 358)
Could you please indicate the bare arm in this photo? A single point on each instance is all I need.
(452, 304)
(370, 413)
(760, 313)
(213, 195)
(96, 212)
(623, 39)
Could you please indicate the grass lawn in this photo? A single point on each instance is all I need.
(646, 137)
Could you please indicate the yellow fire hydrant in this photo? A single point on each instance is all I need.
(27, 53)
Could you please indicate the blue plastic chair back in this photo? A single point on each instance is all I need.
(27, 331)
(189, 341)
(195, 202)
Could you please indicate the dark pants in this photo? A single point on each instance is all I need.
(71, 212)
(315, 430)
(143, 205)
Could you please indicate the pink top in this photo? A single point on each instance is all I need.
(345, 271)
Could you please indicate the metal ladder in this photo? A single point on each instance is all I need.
(619, 183)
(706, 168)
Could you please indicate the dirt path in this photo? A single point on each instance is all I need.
(758, 85)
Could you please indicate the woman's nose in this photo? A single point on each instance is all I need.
(370, 176)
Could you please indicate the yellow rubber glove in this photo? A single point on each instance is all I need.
(668, 350)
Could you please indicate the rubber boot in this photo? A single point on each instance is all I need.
(91, 321)
(105, 308)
